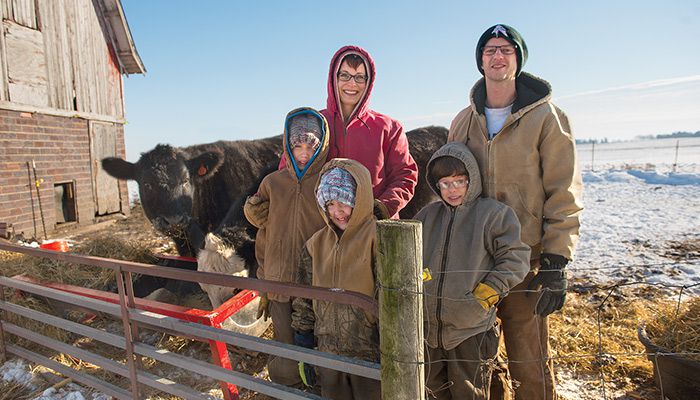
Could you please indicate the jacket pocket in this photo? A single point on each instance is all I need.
(528, 210)
(463, 313)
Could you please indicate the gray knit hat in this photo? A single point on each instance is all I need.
(305, 128)
(508, 33)
(336, 184)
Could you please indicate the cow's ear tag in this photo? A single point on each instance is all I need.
(202, 170)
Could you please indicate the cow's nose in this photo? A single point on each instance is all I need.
(174, 219)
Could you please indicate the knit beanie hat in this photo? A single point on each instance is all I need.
(511, 35)
(305, 128)
(336, 184)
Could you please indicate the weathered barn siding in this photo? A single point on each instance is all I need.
(61, 106)
(64, 61)
(60, 148)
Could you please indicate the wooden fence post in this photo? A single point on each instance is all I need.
(400, 256)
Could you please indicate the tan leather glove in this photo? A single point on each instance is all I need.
(486, 295)
(263, 307)
(256, 210)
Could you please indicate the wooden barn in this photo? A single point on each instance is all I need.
(61, 111)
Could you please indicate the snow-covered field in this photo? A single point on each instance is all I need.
(634, 204)
(634, 207)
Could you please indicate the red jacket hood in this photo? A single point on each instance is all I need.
(333, 102)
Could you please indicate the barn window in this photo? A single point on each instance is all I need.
(64, 199)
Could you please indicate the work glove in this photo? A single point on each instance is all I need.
(552, 278)
(307, 372)
(256, 210)
(485, 295)
(263, 307)
(380, 211)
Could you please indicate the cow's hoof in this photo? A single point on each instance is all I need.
(244, 320)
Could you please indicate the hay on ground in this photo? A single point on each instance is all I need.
(677, 327)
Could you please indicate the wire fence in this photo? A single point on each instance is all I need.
(601, 331)
(644, 154)
(596, 332)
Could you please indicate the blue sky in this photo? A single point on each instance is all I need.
(232, 69)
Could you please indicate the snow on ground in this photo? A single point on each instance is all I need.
(19, 371)
(628, 217)
(635, 201)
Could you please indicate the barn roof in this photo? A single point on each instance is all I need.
(129, 59)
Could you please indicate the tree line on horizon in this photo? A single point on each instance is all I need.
(674, 135)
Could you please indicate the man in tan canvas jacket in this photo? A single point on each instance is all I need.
(527, 157)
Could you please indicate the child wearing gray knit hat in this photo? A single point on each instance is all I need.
(305, 129)
(336, 184)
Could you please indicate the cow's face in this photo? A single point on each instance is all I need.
(166, 177)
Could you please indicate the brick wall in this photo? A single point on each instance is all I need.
(60, 147)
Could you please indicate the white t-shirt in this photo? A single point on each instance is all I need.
(495, 118)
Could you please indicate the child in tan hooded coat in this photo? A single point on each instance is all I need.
(285, 213)
(341, 255)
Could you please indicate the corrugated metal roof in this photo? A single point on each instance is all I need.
(129, 58)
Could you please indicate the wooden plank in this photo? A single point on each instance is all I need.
(59, 72)
(104, 387)
(6, 8)
(7, 105)
(24, 13)
(26, 65)
(103, 143)
(4, 95)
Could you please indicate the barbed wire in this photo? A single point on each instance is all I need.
(601, 358)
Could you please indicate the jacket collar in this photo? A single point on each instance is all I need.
(530, 91)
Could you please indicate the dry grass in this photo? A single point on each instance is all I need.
(677, 329)
(600, 338)
(10, 390)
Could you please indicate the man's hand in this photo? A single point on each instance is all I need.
(552, 278)
(263, 307)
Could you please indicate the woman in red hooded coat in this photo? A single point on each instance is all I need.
(375, 140)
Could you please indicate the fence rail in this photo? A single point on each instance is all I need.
(134, 317)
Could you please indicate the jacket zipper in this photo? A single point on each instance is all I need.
(294, 226)
(442, 276)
